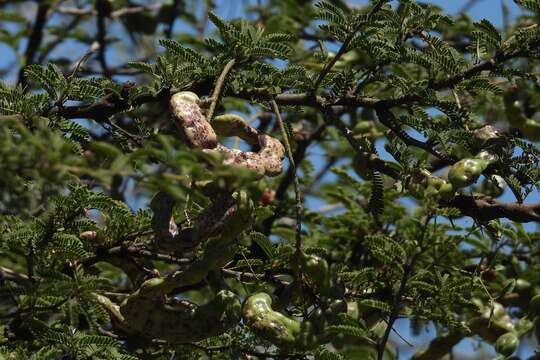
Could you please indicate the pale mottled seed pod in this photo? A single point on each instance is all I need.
(199, 133)
(196, 129)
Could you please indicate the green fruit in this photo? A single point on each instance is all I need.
(466, 171)
(523, 326)
(507, 344)
(318, 272)
(275, 327)
(152, 318)
(492, 186)
(436, 186)
(514, 112)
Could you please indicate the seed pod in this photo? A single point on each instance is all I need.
(507, 344)
(152, 318)
(267, 161)
(275, 327)
(466, 171)
(197, 131)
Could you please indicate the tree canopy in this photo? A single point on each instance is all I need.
(301, 180)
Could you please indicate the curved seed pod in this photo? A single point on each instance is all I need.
(514, 113)
(318, 272)
(196, 129)
(200, 134)
(178, 324)
(275, 327)
(175, 325)
(267, 161)
(150, 316)
(466, 171)
(234, 125)
(433, 186)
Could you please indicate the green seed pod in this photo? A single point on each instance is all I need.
(436, 186)
(507, 344)
(514, 113)
(234, 125)
(492, 186)
(432, 186)
(318, 272)
(466, 171)
(152, 318)
(523, 326)
(275, 327)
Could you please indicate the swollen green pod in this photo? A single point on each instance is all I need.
(466, 171)
(507, 344)
(425, 184)
(275, 327)
(150, 317)
(514, 113)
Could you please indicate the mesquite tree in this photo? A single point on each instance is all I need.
(302, 180)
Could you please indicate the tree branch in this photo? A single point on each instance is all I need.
(101, 19)
(485, 208)
(389, 120)
(216, 94)
(34, 40)
(292, 169)
(104, 253)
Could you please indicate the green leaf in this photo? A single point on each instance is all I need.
(376, 304)
(265, 244)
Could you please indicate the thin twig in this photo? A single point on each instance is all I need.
(101, 33)
(345, 46)
(218, 88)
(34, 40)
(297, 193)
